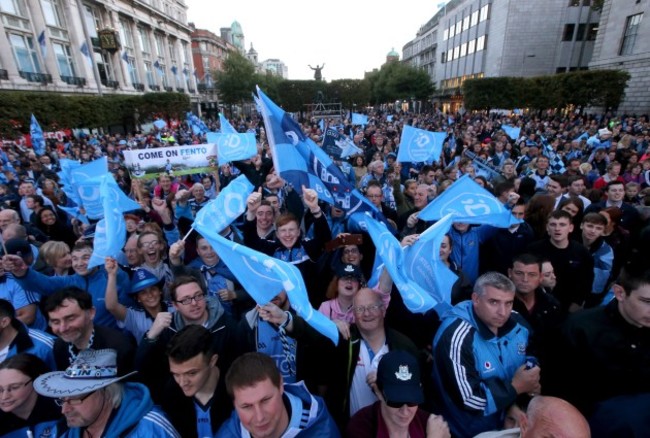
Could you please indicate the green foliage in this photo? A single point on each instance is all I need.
(582, 88)
(398, 80)
(55, 111)
(237, 80)
(349, 92)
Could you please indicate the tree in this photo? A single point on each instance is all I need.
(398, 80)
(236, 81)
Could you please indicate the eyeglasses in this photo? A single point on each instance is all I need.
(398, 405)
(187, 301)
(14, 387)
(72, 401)
(147, 244)
(373, 308)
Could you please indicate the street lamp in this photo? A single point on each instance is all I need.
(523, 61)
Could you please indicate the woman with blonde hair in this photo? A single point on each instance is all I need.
(57, 256)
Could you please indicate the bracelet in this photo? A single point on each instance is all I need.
(320, 210)
(288, 321)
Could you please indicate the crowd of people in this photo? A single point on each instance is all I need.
(546, 334)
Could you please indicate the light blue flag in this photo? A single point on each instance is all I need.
(389, 118)
(160, 124)
(84, 50)
(321, 125)
(225, 208)
(511, 131)
(226, 127)
(423, 264)
(264, 277)
(233, 147)
(416, 299)
(36, 133)
(110, 232)
(359, 119)
(418, 145)
(469, 203)
(197, 125)
(65, 179)
(75, 213)
(583, 136)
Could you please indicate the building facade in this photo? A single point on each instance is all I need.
(275, 67)
(94, 46)
(623, 42)
(469, 39)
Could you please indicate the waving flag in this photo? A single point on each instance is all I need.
(470, 203)
(36, 133)
(359, 119)
(556, 165)
(43, 44)
(226, 127)
(84, 50)
(338, 145)
(300, 161)
(197, 125)
(75, 213)
(160, 124)
(65, 179)
(511, 131)
(416, 299)
(110, 232)
(423, 264)
(156, 64)
(233, 147)
(418, 145)
(225, 208)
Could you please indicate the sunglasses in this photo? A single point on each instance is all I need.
(398, 405)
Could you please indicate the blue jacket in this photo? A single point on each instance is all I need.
(465, 248)
(33, 341)
(93, 283)
(43, 421)
(309, 417)
(135, 418)
(473, 368)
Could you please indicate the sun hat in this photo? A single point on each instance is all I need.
(90, 371)
(398, 376)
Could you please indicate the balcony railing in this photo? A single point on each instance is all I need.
(4, 74)
(154, 87)
(139, 87)
(191, 90)
(203, 88)
(74, 80)
(169, 89)
(43, 78)
(180, 89)
(110, 84)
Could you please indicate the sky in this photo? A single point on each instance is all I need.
(349, 36)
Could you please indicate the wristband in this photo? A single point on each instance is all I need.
(288, 321)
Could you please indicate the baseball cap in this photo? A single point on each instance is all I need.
(349, 271)
(19, 247)
(141, 280)
(398, 376)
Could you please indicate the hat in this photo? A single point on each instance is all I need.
(604, 131)
(19, 247)
(391, 154)
(141, 280)
(349, 271)
(398, 375)
(90, 371)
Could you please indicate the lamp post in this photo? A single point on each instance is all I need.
(523, 62)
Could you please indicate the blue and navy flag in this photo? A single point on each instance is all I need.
(423, 265)
(359, 119)
(511, 131)
(339, 145)
(125, 57)
(110, 232)
(418, 145)
(556, 165)
(159, 68)
(84, 50)
(233, 147)
(36, 134)
(43, 44)
(416, 299)
(301, 162)
(470, 203)
(186, 73)
(226, 127)
(174, 70)
(197, 125)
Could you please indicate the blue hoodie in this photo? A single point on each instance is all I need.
(309, 417)
(135, 418)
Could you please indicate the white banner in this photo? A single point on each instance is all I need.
(173, 160)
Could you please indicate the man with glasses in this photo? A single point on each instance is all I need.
(353, 368)
(479, 357)
(96, 403)
(193, 306)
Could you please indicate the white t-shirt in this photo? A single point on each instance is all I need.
(361, 394)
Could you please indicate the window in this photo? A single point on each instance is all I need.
(203, 46)
(560, 70)
(206, 62)
(143, 38)
(443, 57)
(184, 52)
(568, 32)
(474, 19)
(151, 81)
(92, 21)
(463, 49)
(160, 45)
(14, 7)
(582, 27)
(456, 52)
(471, 47)
(485, 10)
(24, 53)
(574, 3)
(52, 13)
(592, 32)
(133, 72)
(452, 31)
(631, 30)
(125, 34)
(480, 42)
(466, 23)
(445, 34)
(459, 26)
(450, 55)
(63, 59)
